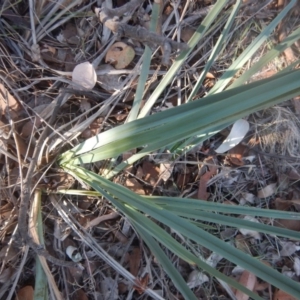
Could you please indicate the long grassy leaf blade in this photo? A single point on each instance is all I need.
(268, 57)
(198, 35)
(194, 233)
(197, 117)
(201, 205)
(216, 50)
(236, 223)
(251, 49)
(164, 238)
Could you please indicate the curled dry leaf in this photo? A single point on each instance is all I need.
(73, 253)
(237, 133)
(85, 75)
(120, 55)
(267, 191)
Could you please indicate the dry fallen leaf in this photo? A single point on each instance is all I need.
(247, 280)
(120, 55)
(196, 278)
(135, 186)
(236, 135)
(25, 293)
(249, 232)
(7, 100)
(281, 295)
(267, 191)
(282, 204)
(135, 258)
(141, 284)
(85, 75)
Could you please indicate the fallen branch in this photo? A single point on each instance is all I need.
(110, 18)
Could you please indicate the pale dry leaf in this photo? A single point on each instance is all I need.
(248, 232)
(165, 170)
(247, 197)
(247, 280)
(85, 75)
(267, 191)
(196, 279)
(214, 259)
(236, 135)
(120, 55)
(297, 266)
(288, 248)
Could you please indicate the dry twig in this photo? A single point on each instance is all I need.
(110, 18)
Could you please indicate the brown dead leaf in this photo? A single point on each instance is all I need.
(247, 280)
(288, 224)
(123, 287)
(25, 293)
(5, 211)
(135, 186)
(141, 284)
(120, 236)
(120, 55)
(80, 295)
(151, 172)
(282, 204)
(236, 154)
(281, 295)
(211, 171)
(135, 258)
(186, 33)
(293, 174)
(29, 127)
(8, 101)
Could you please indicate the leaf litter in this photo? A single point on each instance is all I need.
(68, 51)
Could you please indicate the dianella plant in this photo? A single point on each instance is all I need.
(177, 130)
